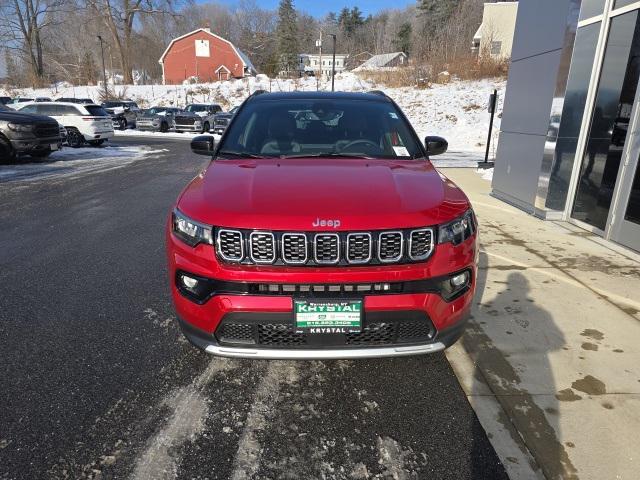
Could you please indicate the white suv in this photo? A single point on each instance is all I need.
(84, 123)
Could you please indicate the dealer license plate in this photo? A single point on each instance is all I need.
(327, 316)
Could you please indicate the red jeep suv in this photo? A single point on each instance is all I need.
(321, 230)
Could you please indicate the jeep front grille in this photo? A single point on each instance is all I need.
(262, 247)
(420, 244)
(326, 248)
(390, 246)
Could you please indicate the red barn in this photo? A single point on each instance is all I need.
(203, 55)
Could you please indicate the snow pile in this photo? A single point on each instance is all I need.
(456, 111)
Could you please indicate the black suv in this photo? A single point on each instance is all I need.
(124, 113)
(23, 133)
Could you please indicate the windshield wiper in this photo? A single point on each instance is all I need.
(240, 154)
(331, 155)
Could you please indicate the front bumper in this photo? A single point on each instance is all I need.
(26, 144)
(203, 323)
(189, 128)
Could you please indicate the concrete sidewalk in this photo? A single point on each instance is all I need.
(551, 360)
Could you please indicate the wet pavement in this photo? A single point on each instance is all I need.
(97, 381)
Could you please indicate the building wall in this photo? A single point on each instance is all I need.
(541, 43)
(498, 25)
(181, 61)
(312, 62)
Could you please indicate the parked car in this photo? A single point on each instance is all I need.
(5, 100)
(342, 240)
(221, 120)
(84, 123)
(158, 119)
(74, 100)
(197, 117)
(18, 102)
(24, 134)
(123, 114)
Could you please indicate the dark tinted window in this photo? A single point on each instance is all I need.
(197, 108)
(610, 121)
(96, 111)
(282, 128)
(584, 51)
(28, 109)
(49, 110)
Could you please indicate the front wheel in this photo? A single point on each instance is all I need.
(96, 143)
(164, 127)
(74, 138)
(122, 123)
(205, 127)
(7, 153)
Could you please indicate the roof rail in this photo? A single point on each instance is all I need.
(377, 92)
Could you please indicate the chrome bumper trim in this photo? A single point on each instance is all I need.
(324, 354)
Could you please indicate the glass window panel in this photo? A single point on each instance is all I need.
(584, 52)
(623, 3)
(591, 8)
(608, 132)
(633, 207)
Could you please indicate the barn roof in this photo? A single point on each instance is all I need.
(378, 61)
(245, 60)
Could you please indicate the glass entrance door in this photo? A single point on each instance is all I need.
(614, 101)
(625, 228)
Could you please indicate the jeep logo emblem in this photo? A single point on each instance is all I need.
(321, 222)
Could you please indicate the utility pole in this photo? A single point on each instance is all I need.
(104, 70)
(319, 45)
(333, 63)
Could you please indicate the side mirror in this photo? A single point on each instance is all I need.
(203, 145)
(435, 145)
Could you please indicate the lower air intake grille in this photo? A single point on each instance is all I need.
(279, 335)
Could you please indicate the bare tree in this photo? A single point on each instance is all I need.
(119, 17)
(22, 27)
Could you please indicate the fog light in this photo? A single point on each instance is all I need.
(460, 279)
(188, 282)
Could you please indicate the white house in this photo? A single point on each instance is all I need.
(311, 62)
(495, 35)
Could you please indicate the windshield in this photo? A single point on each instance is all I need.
(96, 111)
(155, 111)
(298, 128)
(197, 108)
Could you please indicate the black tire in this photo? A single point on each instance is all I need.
(74, 138)
(205, 127)
(7, 153)
(122, 123)
(178, 131)
(164, 127)
(41, 153)
(96, 143)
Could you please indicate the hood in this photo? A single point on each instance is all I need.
(188, 114)
(294, 194)
(18, 117)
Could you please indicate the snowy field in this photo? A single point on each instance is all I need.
(71, 162)
(456, 111)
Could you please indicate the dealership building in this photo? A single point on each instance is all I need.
(570, 134)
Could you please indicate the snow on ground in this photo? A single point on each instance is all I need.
(77, 161)
(456, 111)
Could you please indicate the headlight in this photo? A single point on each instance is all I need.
(190, 231)
(459, 230)
(16, 127)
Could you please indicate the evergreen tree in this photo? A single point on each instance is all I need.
(287, 36)
(402, 42)
(438, 11)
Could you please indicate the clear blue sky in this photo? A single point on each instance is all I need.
(319, 8)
